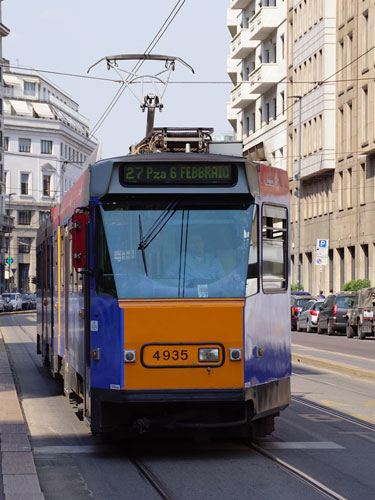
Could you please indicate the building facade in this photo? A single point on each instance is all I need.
(331, 71)
(311, 135)
(46, 145)
(5, 225)
(257, 68)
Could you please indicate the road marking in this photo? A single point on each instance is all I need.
(57, 450)
(332, 404)
(302, 445)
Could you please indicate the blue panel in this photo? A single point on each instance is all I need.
(110, 339)
(267, 327)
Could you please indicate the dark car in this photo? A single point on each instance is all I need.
(297, 301)
(32, 297)
(25, 301)
(332, 315)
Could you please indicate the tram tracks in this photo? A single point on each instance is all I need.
(298, 474)
(333, 413)
(152, 479)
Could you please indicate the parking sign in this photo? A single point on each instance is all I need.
(322, 247)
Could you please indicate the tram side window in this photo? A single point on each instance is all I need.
(274, 244)
(105, 282)
(253, 265)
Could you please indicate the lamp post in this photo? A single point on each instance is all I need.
(298, 179)
(8, 260)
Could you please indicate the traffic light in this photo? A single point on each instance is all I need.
(34, 280)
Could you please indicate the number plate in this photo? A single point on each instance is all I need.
(177, 355)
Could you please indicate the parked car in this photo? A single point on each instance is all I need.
(332, 314)
(360, 318)
(25, 302)
(32, 301)
(15, 298)
(297, 301)
(1, 304)
(308, 317)
(8, 305)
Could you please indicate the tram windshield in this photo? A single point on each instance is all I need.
(174, 248)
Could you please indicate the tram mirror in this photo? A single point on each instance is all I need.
(79, 221)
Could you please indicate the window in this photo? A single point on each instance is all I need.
(5, 181)
(365, 114)
(24, 145)
(253, 266)
(274, 244)
(352, 258)
(24, 245)
(46, 147)
(366, 269)
(43, 216)
(24, 217)
(29, 88)
(46, 185)
(24, 183)
(6, 143)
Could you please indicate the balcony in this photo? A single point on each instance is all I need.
(241, 96)
(239, 4)
(232, 115)
(233, 22)
(264, 77)
(233, 69)
(241, 45)
(266, 20)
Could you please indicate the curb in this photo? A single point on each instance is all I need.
(334, 366)
(20, 479)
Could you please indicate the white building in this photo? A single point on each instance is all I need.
(257, 68)
(4, 220)
(46, 143)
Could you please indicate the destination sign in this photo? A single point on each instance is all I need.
(177, 173)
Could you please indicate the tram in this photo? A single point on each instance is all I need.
(163, 289)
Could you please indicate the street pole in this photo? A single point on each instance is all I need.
(298, 179)
(299, 193)
(9, 194)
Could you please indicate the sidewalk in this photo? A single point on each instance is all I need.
(19, 478)
(338, 362)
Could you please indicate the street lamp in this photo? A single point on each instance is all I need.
(9, 194)
(298, 178)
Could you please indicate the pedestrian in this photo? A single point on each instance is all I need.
(321, 294)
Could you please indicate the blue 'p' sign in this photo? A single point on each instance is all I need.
(322, 243)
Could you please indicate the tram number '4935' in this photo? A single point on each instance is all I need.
(175, 355)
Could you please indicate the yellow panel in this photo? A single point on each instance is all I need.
(185, 322)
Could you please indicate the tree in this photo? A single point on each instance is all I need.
(354, 285)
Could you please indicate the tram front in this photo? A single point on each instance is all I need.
(175, 257)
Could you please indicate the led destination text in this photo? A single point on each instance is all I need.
(177, 174)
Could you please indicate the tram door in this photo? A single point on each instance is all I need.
(55, 280)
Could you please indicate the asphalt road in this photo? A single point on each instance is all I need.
(327, 433)
(337, 343)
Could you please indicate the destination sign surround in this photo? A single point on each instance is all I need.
(178, 174)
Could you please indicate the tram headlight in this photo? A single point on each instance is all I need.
(208, 354)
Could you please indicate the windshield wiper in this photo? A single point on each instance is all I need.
(155, 229)
(141, 245)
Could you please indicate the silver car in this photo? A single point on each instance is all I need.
(308, 317)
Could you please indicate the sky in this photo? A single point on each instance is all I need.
(69, 36)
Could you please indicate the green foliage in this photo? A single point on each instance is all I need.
(353, 285)
(293, 287)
